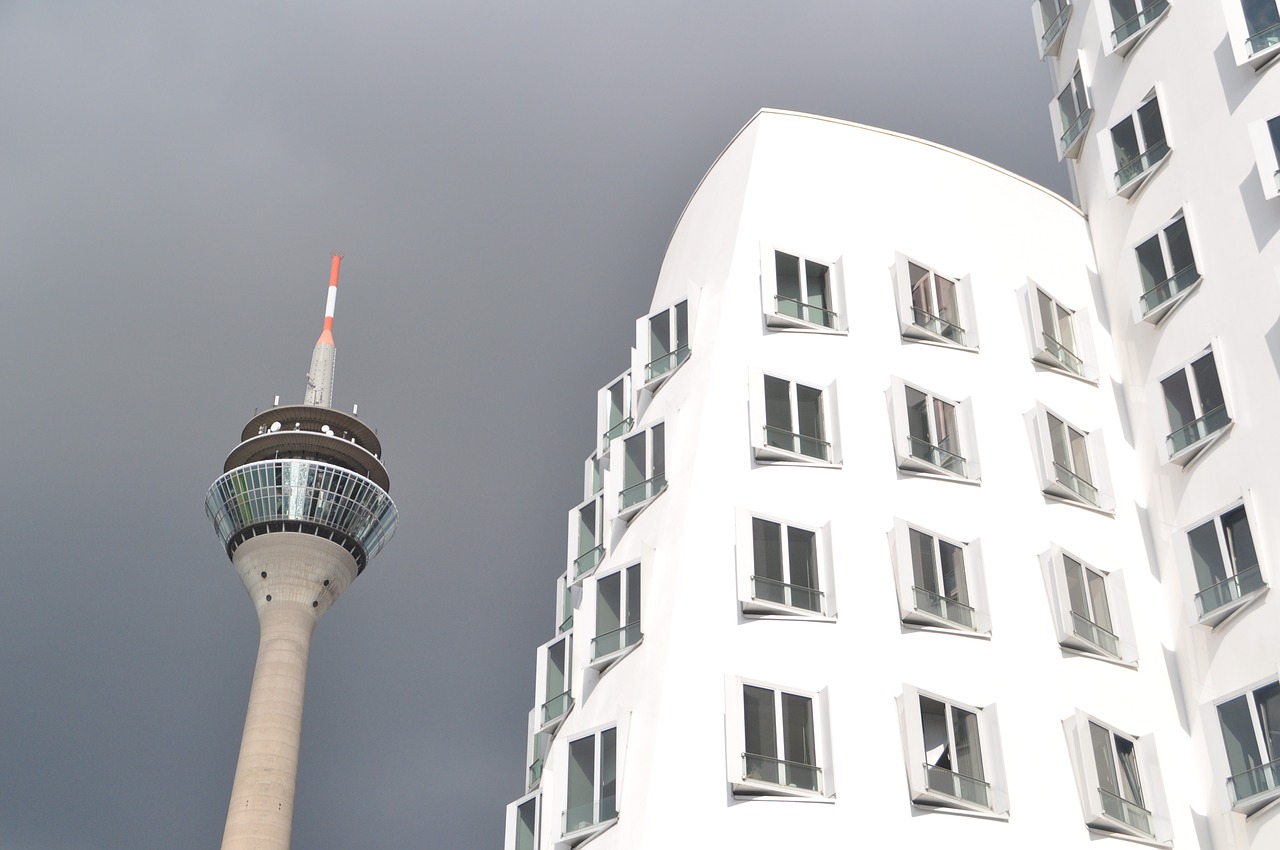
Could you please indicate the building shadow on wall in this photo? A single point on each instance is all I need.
(1264, 215)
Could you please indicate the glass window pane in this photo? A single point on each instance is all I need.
(1268, 701)
(1076, 587)
(633, 595)
(944, 421)
(1098, 597)
(1179, 240)
(948, 307)
(1274, 127)
(918, 415)
(921, 289)
(1079, 455)
(1151, 263)
(760, 722)
(582, 774)
(1125, 140)
(937, 741)
(657, 450)
(608, 774)
(608, 604)
(633, 465)
(968, 751)
(1260, 15)
(1177, 400)
(787, 270)
(797, 729)
(809, 410)
(777, 403)
(924, 570)
(1058, 441)
(525, 825)
(1151, 124)
(682, 324)
(1239, 736)
(1130, 781)
(1103, 759)
(1208, 387)
(802, 553)
(816, 278)
(556, 678)
(767, 542)
(1206, 555)
(659, 335)
(1235, 527)
(954, 585)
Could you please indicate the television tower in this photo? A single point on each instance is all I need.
(301, 508)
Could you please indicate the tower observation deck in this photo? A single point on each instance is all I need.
(301, 508)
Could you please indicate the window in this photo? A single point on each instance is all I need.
(1131, 18)
(804, 294)
(1226, 566)
(1052, 17)
(1196, 406)
(932, 435)
(668, 343)
(1074, 112)
(1251, 734)
(644, 465)
(617, 616)
(565, 603)
(1273, 133)
(1057, 343)
(784, 568)
(586, 539)
(952, 763)
(1139, 145)
(1071, 461)
(935, 311)
(1090, 607)
(593, 475)
(1263, 21)
(615, 410)
(1264, 137)
(524, 823)
(555, 660)
(1167, 267)
(794, 423)
(939, 581)
(591, 802)
(538, 744)
(782, 748)
(1118, 779)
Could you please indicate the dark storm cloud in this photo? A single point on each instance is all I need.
(503, 179)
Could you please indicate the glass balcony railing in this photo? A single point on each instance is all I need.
(939, 326)
(535, 773)
(1190, 434)
(1063, 355)
(1262, 779)
(1125, 811)
(1076, 484)
(781, 593)
(1260, 41)
(566, 624)
(957, 785)
(587, 561)
(776, 771)
(928, 602)
(1166, 289)
(781, 438)
(659, 366)
(615, 641)
(619, 428)
(1054, 29)
(1140, 164)
(587, 815)
(938, 456)
(1095, 634)
(1231, 588)
(810, 313)
(642, 492)
(1138, 22)
(556, 707)
(1077, 126)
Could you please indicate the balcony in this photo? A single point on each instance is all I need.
(638, 494)
(1267, 38)
(795, 309)
(615, 641)
(587, 561)
(556, 708)
(938, 326)
(943, 607)
(1069, 360)
(535, 774)
(1230, 589)
(1162, 292)
(1250, 790)
(618, 429)
(781, 438)
(664, 364)
(1075, 132)
(1188, 435)
(1129, 174)
(1049, 43)
(1139, 22)
(790, 595)
(786, 774)
(1076, 484)
(1090, 631)
(957, 786)
(1126, 812)
(589, 818)
(938, 456)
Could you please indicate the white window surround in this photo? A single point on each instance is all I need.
(1090, 608)
(1061, 339)
(1070, 114)
(1051, 18)
(795, 424)
(615, 411)
(1072, 462)
(1195, 401)
(933, 435)
(593, 475)
(954, 760)
(934, 307)
(588, 536)
(662, 344)
(802, 292)
(1167, 267)
(1137, 146)
(591, 779)
(1264, 135)
(568, 595)
(1222, 555)
(790, 725)
(1126, 23)
(1119, 781)
(788, 595)
(1253, 28)
(537, 743)
(643, 469)
(1249, 756)
(618, 597)
(524, 823)
(555, 682)
(940, 581)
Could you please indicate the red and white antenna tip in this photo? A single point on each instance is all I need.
(327, 334)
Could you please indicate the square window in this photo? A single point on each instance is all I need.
(1167, 266)
(1118, 777)
(1072, 462)
(1249, 723)
(555, 678)
(953, 760)
(586, 538)
(1074, 115)
(1138, 145)
(591, 801)
(1262, 19)
(524, 823)
(933, 307)
(784, 568)
(1058, 340)
(617, 616)
(615, 407)
(1132, 20)
(1197, 408)
(933, 435)
(1090, 607)
(939, 580)
(794, 424)
(1051, 23)
(667, 343)
(1226, 565)
(644, 465)
(778, 741)
(802, 293)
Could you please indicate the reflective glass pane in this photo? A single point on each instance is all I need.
(809, 412)
(787, 270)
(777, 403)
(767, 549)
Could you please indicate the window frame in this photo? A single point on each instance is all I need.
(1259, 800)
(1100, 813)
(568, 597)
(746, 787)
(1224, 422)
(1115, 645)
(513, 821)
(1049, 33)
(1051, 483)
(771, 298)
(905, 443)
(1069, 145)
(1258, 57)
(765, 453)
(548, 723)
(1152, 154)
(1264, 136)
(754, 607)
(966, 322)
(1147, 16)
(630, 634)
(909, 612)
(593, 470)
(600, 822)
(607, 429)
(910, 715)
(1222, 613)
(678, 354)
(655, 469)
(537, 745)
(583, 562)
(1043, 353)
(1181, 282)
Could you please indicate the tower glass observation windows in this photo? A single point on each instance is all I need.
(794, 419)
(1263, 21)
(617, 614)
(591, 802)
(644, 469)
(1131, 17)
(1225, 562)
(804, 290)
(1251, 733)
(668, 341)
(1139, 144)
(785, 565)
(1167, 266)
(1196, 406)
(779, 746)
(1075, 113)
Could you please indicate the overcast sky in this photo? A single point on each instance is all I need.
(503, 178)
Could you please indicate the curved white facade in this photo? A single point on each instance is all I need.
(865, 554)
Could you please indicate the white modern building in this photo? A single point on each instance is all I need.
(864, 543)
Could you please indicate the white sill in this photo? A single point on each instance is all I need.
(913, 465)
(762, 609)
(915, 333)
(1257, 804)
(629, 512)
(1106, 826)
(1263, 59)
(778, 322)
(1128, 190)
(1043, 358)
(604, 662)
(935, 801)
(1077, 645)
(653, 384)
(1060, 492)
(1164, 308)
(780, 457)
(752, 789)
(1223, 614)
(1188, 455)
(1132, 41)
(582, 836)
(923, 621)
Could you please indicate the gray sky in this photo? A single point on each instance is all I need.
(503, 178)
